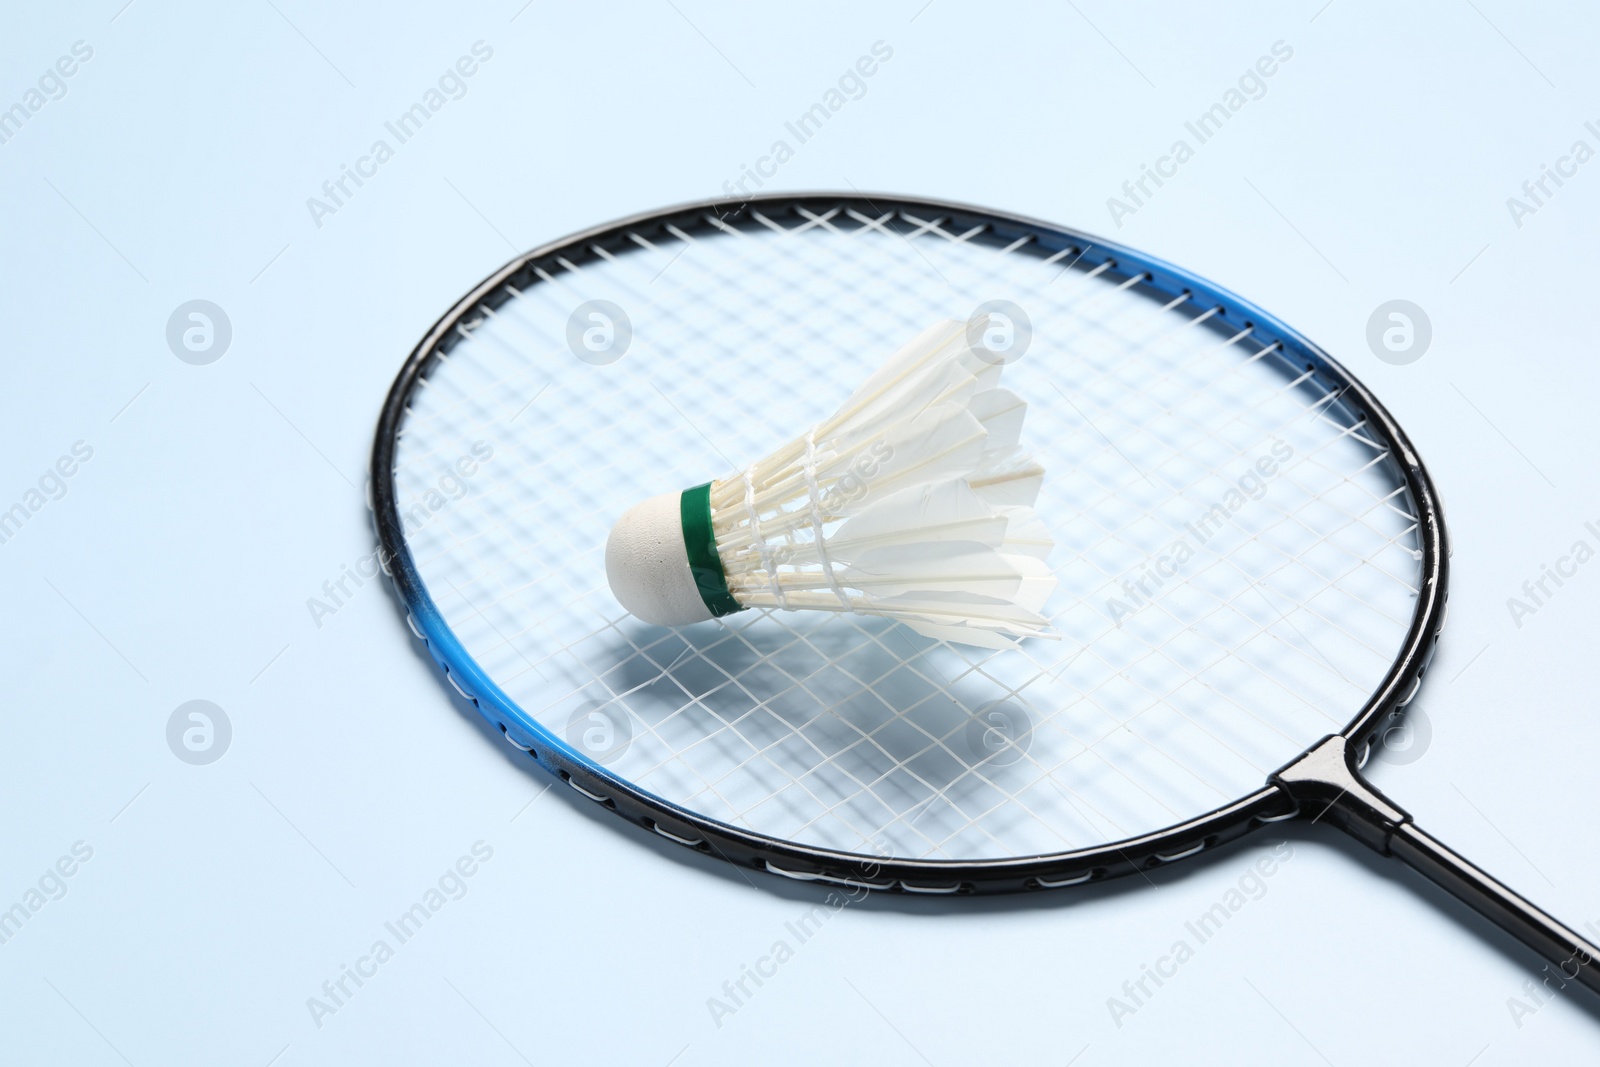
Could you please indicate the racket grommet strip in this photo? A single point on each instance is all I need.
(1409, 697)
(1292, 813)
(512, 741)
(1183, 853)
(689, 842)
(1062, 883)
(819, 876)
(598, 798)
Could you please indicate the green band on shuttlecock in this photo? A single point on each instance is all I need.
(700, 542)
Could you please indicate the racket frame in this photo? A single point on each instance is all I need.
(1284, 795)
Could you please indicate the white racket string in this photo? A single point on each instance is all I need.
(849, 732)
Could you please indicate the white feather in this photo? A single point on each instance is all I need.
(912, 502)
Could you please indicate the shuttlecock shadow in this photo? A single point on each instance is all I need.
(903, 722)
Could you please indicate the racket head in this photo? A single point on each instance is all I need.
(1013, 862)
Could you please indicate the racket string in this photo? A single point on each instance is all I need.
(700, 295)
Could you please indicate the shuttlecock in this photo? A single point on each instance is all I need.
(912, 502)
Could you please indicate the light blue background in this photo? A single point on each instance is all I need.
(179, 562)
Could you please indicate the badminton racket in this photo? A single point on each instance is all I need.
(1251, 558)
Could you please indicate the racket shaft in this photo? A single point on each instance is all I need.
(1576, 958)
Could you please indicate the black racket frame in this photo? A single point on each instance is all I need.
(1276, 800)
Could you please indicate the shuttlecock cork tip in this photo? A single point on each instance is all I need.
(647, 564)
